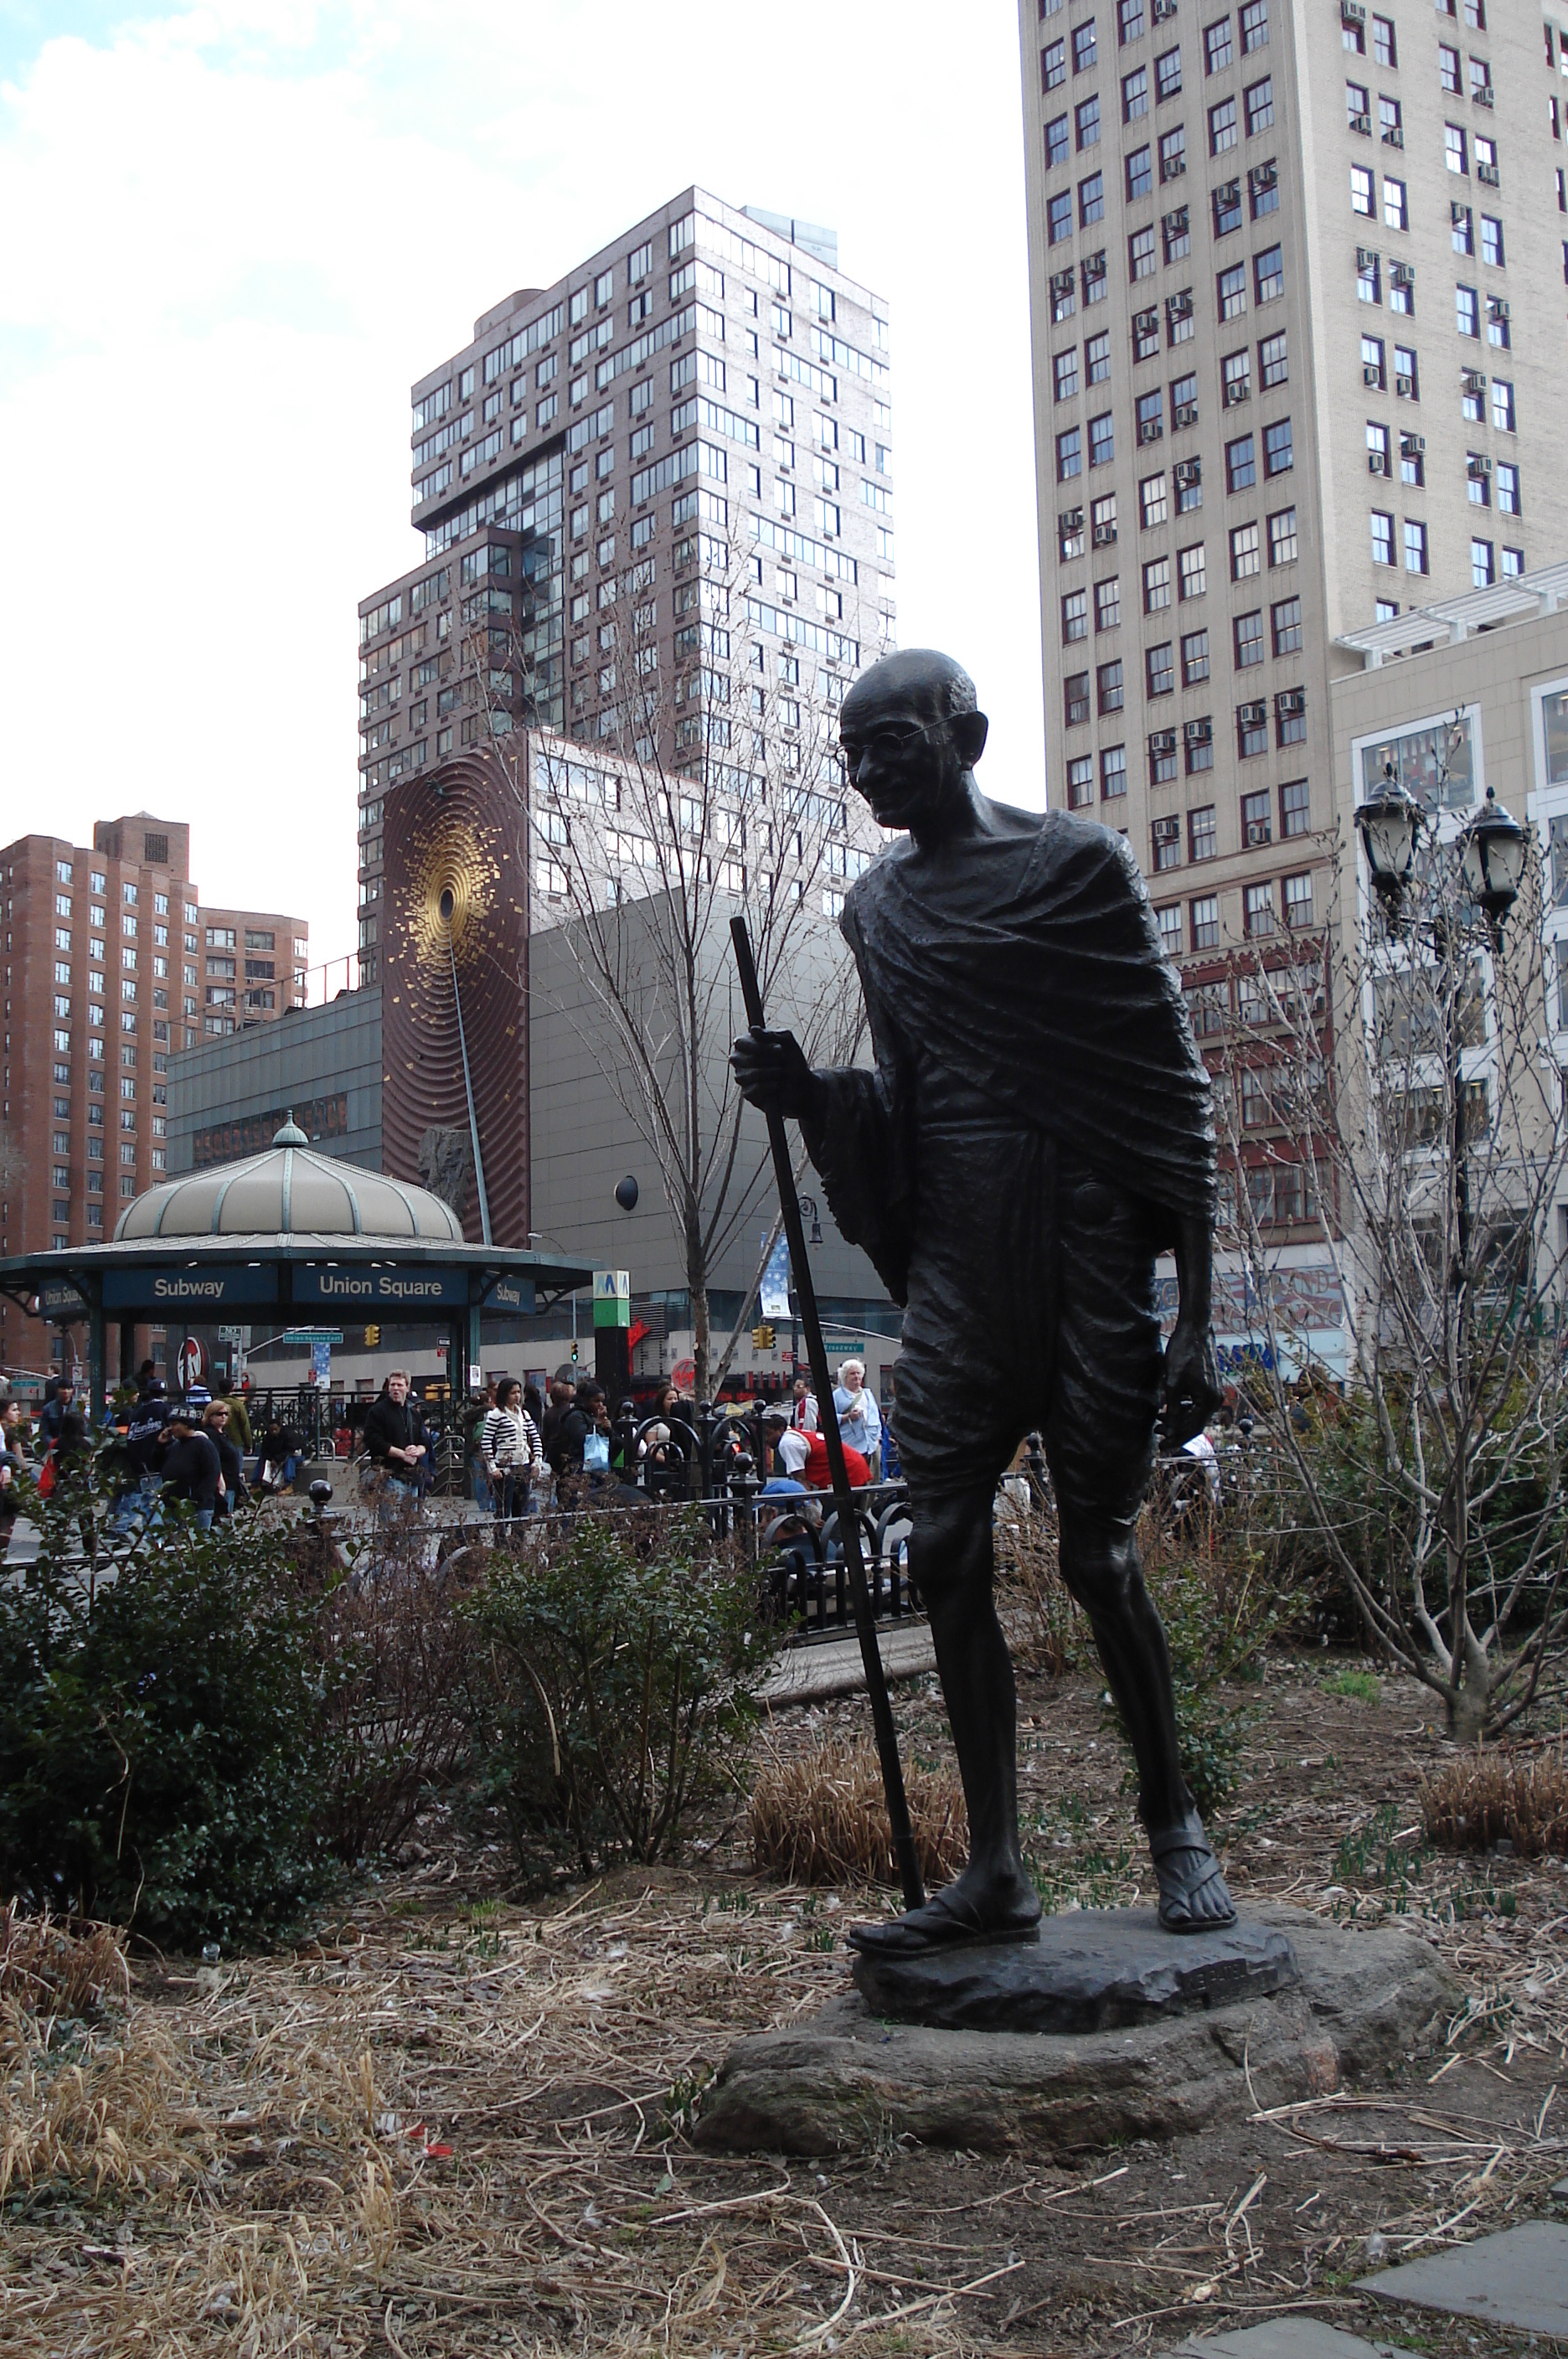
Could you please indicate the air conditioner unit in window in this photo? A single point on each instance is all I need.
(1104, 534)
(1167, 831)
(1411, 445)
(1371, 373)
(1238, 389)
(1351, 14)
(1496, 308)
(1264, 176)
(1071, 520)
(1145, 322)
(1488, 175)
(1479, 468)
(1361, 123)
(1162, 741)
(1179, 307)
(1199, 733)
(1475, 382)
(1172, 167)
(1401, 274)
(1376, 463)
(1150, 430)
(1394, 136)
(1162, 11)
(1405, 385)
(1365, 259)
(1189, 470)
(1483, 97)
(1256, 833)
(1252, 716)
(1186, 413)
(1290, 700)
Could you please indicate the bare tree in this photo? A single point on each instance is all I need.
(1428, 1152)
(698, 784)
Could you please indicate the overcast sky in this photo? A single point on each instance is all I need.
(233, 235)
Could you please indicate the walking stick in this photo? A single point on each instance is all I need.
(848, 1521)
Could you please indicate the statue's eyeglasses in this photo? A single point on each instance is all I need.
(895, 738)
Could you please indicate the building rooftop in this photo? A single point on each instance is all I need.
(1447, 621)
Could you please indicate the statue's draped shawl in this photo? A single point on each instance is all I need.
(1029, 964)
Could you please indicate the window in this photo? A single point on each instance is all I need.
(1483, 568)
(1227, 208)
(1235, 378)
(1190, 563)
(1291, 717)
(1168, 75)
(1448, 70)
(1162, 772)
(1507, 488)
(1140, 253)
(1064, 373)
(1075, 617)
(1254, 27)
(1086, 121)
(1194, 659)
(1251, 730)
(1150, 417)
(1202, 843)
(1069, 454)
(1113, 773)
(1151, 499)
(1286, 621)
(1156, 585)
(1145, 335)
(1183, 401)
(1096, 286)
(1205, 916)
(1478, 479)
(1455, 148)
(1466, 312)
(1257, 908)
(1091, 200)
(1245, 560)
(1353, 31)
(1358, 106)
(1363, 191)
(1059, 218)
(1081, 782)
(1502, 406)
(1259, 100)
(1108, 688)
(1480, 82)
(1135, 94)
(1384, 51)
(1231, 289)
(1053, 66)
(1492, 242)
(1084, 47)
(1189, 486)
(1390, 124)
(1373, 370)
(1282, 537)
(1241, 464)
(1278, 456)
(1129, 17)
(1269, 274)
(1462, 231)
(1075, 699)
(1396, 207)
(1512, 564)
(1224, 129)
(1407, 378)
(1198, 738)
(1173, 153)
(1249, 629)
(1176, 231)
(1108, 605)
(1217, 50)
(1169, 920)
(1064, 294)
(1097, 358)
(1256, 820)
(1412, 465)
(1273, 364)
(1160, 670)
(1382, 539)
(1058, 142)
(1102, 440)
(1415, 547)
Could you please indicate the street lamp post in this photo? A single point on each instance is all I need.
(1491, 849)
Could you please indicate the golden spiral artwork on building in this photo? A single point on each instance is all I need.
(454, 893)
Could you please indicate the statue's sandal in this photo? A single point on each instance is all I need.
(945, 1922)
(1185, 1867)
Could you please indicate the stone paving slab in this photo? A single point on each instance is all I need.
(832, 1667)
(1516, 2278)
(1280, 2338)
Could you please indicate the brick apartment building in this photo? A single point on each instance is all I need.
(111, 963)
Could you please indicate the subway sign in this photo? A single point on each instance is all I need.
(514, 1294)
(58, 1297)
(347, 1285)
(189, 1292)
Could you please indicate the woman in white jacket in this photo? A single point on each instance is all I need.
(509, 1448)
(859, 1418)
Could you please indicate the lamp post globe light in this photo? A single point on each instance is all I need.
(1388, 822)
(1491, 856)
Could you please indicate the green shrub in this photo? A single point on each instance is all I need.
(620, 1665)
(161, 1718)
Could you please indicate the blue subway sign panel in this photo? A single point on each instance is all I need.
(350, 1285)
(190, 1293)
(57, 1294)
(513, 1294)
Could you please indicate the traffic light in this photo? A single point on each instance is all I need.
(372, 1338)
(762, 1336)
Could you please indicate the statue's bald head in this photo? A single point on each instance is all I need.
(914, 679)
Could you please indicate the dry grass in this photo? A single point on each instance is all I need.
(1472, 1802)
(50, 1970)
(822, 1818)
(1045, 1630)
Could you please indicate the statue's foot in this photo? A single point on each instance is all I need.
(1194, 1895)
(958, 1914)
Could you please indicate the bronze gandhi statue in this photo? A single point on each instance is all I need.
(1037, 1128)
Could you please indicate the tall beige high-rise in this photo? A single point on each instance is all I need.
(1297, 285)
(670, 472)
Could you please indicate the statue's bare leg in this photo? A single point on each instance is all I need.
(1100, 1565)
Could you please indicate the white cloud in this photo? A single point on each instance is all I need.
(244, 228)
